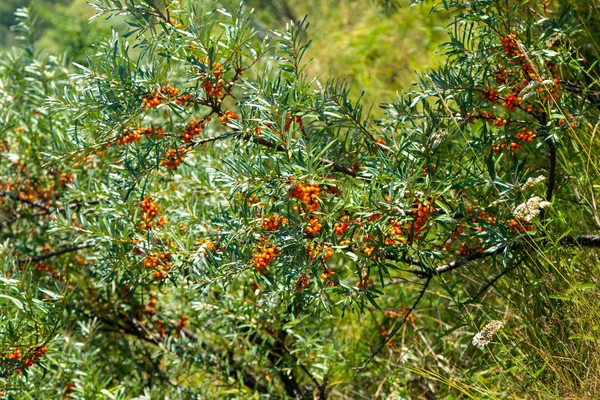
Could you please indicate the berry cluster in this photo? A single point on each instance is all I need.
(208, 247)
(314, 226)
(307, 194)
(227, 115)
(149, 212)
(512, 49)
(185, 100)
(130, 136)
(364, 282)
(31, 191)
(174, 22)
(19, 360)
(512, 100)
(379, 144)
(564, 121)
(66, 178)
(422, 214)
(402, 311)
(194, 128)
(328, 273)
(525, 135)
(291, 119)
(262, 259)
(522, 83)
(160, 263)
(160, 326)
(491, 95)
(181, 325)
(150, 309)
(163, 95)
(214, 85)
(42, 266)
(466, 250)
(396, 234)
(342, 226)
(174, 157)
(302, 282)
(520, 226)
(315, 251)
(273, 222)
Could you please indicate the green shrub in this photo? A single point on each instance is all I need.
(191, 214)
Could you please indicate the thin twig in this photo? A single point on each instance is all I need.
(491, 282)
(396, 329)
(551, 170)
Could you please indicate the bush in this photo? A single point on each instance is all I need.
(190, 214)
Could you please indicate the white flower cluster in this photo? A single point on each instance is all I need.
(533, 182)
(530, 209)
(438, 137)
(485, 336)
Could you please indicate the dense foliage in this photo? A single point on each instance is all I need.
(188, 213)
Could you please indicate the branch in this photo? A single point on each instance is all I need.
(231, 368)
(396, 329)
(494, 280)
(581, 240)
(337, 167)
(465, 260)
(279, 147)
(215, 138)
(37, 204)
(44, 212)
(451, 266)
(54, 253)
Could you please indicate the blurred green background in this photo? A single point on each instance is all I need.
(374, 49)
(358, 40)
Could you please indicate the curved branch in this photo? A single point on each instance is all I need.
(397, 328)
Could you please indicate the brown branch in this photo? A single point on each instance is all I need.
(215, 138)
(37, 204)
(266, 143)
(451, 266)
(581, 240)
(279, 147)
(397, 328)
(492, 281)
(46, 256)
(339, 168)
(45, 212)
(231, 368)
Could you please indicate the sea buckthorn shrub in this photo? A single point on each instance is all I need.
(191, 215)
